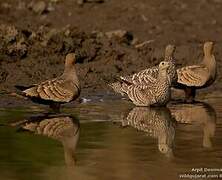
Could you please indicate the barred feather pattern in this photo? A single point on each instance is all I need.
(57, 90)
(194, 76)
(199, 75)
(157, 123)
(146, 79)
(62, 89)
(156, 93)
(149, 75)
(119, 87)
(145, 76)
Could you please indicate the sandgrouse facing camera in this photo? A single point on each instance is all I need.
(155, 93)
(54, 92)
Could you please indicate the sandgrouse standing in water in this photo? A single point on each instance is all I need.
(57, 91)
(197, 76)
(156, 93)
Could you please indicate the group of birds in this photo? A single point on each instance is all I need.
(149, 87)
(152, 86)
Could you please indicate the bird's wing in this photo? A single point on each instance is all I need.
(141, 94)
(145, 76)
(196, 75)
(54, 90)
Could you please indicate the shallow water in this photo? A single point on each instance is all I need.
(111, 139)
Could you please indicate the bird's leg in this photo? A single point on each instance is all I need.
(55, 107)
(190, 94)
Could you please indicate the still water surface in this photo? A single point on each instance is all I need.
(111, 140)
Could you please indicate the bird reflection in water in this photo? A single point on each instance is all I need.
(202, 114)
(156, 122)
(63, 128)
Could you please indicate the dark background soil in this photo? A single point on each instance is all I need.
(34, 39)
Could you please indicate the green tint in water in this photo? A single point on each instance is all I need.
(111, 140)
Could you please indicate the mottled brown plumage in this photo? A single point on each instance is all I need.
(198, 76)
(62, 89)
(157, 122)
(156, 93)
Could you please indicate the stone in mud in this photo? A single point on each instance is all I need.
(121, 35)
(8, 33)
(48, 36)
(38, 7)
(98, 34)
(80, 2)
(50, 7)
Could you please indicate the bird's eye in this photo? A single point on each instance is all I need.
(162, 63)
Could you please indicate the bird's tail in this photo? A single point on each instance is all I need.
(22, 88)
(119, 87)
(18, 94)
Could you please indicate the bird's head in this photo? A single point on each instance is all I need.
(164, 65)
(70, 59)
(208, 47)
(169, 51)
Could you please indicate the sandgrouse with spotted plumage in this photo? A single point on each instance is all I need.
(57, 91)
(156, 93)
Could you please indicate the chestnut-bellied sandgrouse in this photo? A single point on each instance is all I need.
(54, 92)
(197, 76)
